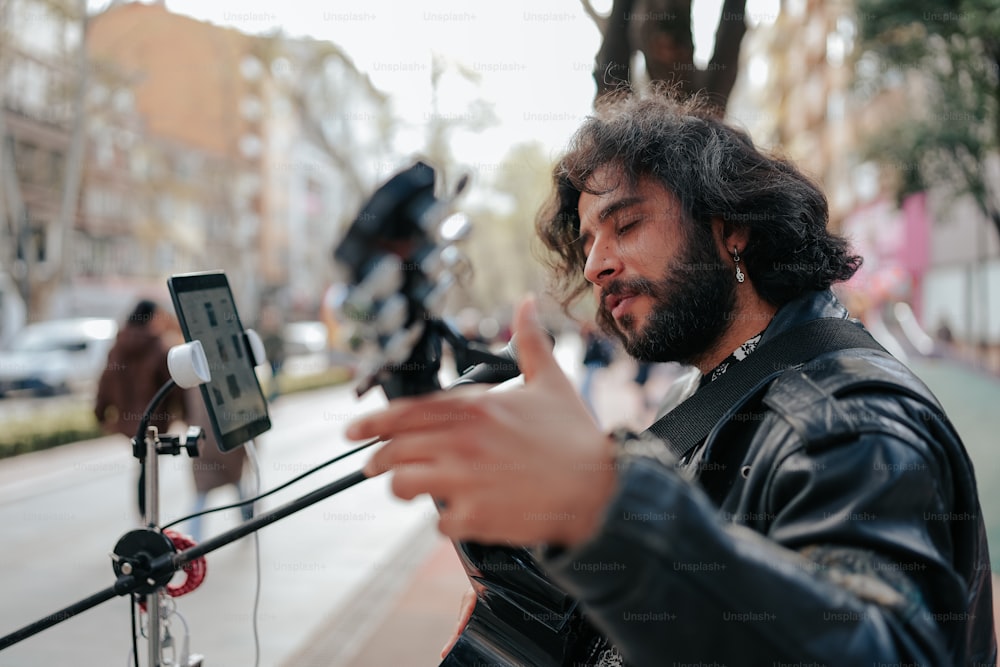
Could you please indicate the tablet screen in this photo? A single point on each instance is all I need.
(207, 312)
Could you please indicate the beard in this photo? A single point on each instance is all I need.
(692, 308)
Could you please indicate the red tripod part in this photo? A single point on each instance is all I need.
(194, 571)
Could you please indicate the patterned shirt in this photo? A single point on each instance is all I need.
(741, 353)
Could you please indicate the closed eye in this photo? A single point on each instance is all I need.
(626, 227)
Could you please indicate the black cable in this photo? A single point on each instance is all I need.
(140, 434)
(139, 441)
(135, 639)
(275, 489)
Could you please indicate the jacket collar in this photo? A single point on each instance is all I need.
(810, 306)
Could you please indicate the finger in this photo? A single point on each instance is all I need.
(407, 449)
(458, 520)
(534, 350)
(414, 414)
(437, 479)
(377, 423)
(466, 607)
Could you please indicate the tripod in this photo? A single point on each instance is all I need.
(138, 544)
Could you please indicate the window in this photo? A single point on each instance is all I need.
(56, 168)
(32, 245)
(28, 84)
(25, 161)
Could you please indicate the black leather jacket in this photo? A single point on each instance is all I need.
(833, 520)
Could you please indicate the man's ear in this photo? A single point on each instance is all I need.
(729, 235)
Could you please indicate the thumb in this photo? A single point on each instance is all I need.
(534, 346)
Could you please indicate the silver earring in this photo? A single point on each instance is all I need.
(736, 258)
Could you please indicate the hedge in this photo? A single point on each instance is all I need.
(74, 423)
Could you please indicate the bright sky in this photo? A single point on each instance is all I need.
(532, 58)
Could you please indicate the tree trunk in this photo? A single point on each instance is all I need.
(11, 202)
(724, 66)
(611, 69)
(61, 259)
(661, 31)
(33, 284)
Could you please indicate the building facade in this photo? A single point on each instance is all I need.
(797, 94)
(199, 148)
(40, 46)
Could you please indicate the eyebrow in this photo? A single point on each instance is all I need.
(618, 205)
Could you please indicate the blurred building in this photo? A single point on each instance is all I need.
(257, 151)
(174, 170)
(329, 135)
(205, 148)
(793, 94)
(39, 52)
(797, 94)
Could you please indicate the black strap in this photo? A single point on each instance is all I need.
(690, 422)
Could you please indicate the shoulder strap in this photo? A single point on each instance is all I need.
(690, 422)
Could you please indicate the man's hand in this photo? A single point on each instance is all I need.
(468, 605)
(528, 465)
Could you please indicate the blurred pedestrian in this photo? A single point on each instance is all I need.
(640, 379)
(340, 340)
(944, 333)
(274, 347)
(213, 468)
(135, 371)
(598, 352)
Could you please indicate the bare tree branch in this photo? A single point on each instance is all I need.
(599, 20)
(661, 31)
(611, 69)
(722, 69)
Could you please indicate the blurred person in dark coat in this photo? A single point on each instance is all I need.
(213, 469)
(135, 371)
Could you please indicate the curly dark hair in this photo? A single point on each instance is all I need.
(715, 171)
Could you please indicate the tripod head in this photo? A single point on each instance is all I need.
(399, 261)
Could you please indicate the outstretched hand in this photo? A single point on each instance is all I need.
(527, 465)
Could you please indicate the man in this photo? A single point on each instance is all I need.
(808, 527)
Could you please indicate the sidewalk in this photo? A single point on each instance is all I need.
(402, 619)
(423, 616)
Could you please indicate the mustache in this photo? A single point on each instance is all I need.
(631, 286)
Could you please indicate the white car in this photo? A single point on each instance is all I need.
(57, 356)
(304, 338)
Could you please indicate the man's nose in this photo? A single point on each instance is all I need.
(602, 263)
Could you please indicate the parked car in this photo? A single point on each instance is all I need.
(56, 356)
(304, 338)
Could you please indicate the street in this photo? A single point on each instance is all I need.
(970, 397)
(64, 509)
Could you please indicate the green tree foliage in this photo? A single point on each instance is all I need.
(501, 246)
(943, 59)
